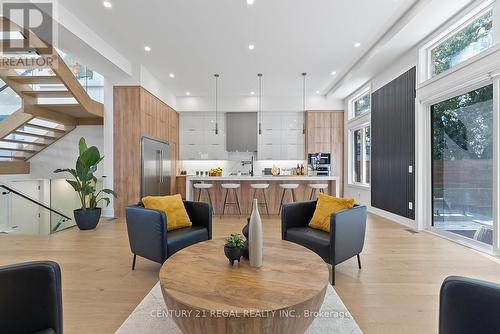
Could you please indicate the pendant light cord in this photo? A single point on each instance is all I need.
(304, 100)
(260, 103)
(216, 103)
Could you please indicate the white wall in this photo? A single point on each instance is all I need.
(250, 103)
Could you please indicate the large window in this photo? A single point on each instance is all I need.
(472, 39)
(462, 165)
(361, 105)
(361, 155)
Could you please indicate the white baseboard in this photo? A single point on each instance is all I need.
(393, 217)
(108, 212)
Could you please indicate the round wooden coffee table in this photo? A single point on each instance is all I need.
(205, 294)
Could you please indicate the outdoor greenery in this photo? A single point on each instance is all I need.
(235, 240)
(362, 105)
(444, 54)
(84, 182)
(463, 126)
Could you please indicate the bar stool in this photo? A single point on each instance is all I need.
(263, 187)
(229, 186)
(285, 187)
(203, 186)
(317, 187)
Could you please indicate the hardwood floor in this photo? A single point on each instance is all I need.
(397, 290)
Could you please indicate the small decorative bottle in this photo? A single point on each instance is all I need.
(255, 236)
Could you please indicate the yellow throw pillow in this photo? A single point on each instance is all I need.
(326, 206)
(177, 216)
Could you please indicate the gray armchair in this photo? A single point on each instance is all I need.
(469, 305)
(148, 235)
(345, 240)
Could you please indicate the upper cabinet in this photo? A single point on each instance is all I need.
(198, 140)
(281, 138)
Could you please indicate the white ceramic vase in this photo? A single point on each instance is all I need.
(255, 242)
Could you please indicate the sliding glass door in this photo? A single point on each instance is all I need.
(462, 165)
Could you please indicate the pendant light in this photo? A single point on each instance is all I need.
(304, 100)
(260, 103)
(216, 103)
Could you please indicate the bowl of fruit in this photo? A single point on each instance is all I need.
(215, 172)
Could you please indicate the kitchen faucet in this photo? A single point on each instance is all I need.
(248, 162)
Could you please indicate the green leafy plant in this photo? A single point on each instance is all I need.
(235, 240)
(84, 182)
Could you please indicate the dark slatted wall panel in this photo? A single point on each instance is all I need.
(393, 146)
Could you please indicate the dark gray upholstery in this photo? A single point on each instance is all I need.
(30, 298)
(346, 237)
(468, 306)
(148, 236)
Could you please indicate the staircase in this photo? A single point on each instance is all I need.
(39, 123)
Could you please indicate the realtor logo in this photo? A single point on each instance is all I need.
(33, 21)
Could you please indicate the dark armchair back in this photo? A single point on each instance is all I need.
(469, 306)
(30, 297)
(148, 235)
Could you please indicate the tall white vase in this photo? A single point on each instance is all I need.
(255, 237)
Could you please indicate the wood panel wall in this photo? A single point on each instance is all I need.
(393, 146)
(325, 134)
(137, 113)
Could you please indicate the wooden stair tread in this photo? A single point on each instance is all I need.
(30, 134)
(18, 149)
(40, 79)
(46, 128)
(48, 93)
(13, 157)
(15, 141)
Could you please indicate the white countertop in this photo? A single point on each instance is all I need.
(261, 178)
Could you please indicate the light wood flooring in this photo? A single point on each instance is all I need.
(396, 291)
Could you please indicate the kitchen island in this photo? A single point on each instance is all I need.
(245, 193)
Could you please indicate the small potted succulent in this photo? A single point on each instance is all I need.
(233, 248)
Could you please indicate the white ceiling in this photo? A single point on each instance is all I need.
(196, 38)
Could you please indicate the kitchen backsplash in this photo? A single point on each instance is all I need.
(234, 165)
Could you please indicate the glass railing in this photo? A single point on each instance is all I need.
(10, 102)
(22, 214)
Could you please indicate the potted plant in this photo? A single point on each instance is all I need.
(233, 248)
(84, 184)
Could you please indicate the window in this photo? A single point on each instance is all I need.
(474, 38)
(361, 155)
(362, 104)
(462, 165)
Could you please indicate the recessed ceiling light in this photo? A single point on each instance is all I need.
(317, 92)
(252, 93)
(357, 45)
(251, 46)
(250, 2)
(333, 73)
(107, 4)
(171, 75)
(188, 93)
(147, 48)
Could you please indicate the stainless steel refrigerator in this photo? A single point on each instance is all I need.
(156, 167)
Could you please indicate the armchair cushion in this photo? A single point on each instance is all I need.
(177, 216)
(183, 237)
(316, 240)
(328, 205)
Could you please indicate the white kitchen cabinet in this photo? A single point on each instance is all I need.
(198, 140)
(282, 137)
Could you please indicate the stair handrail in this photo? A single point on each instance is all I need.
(9, 189)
